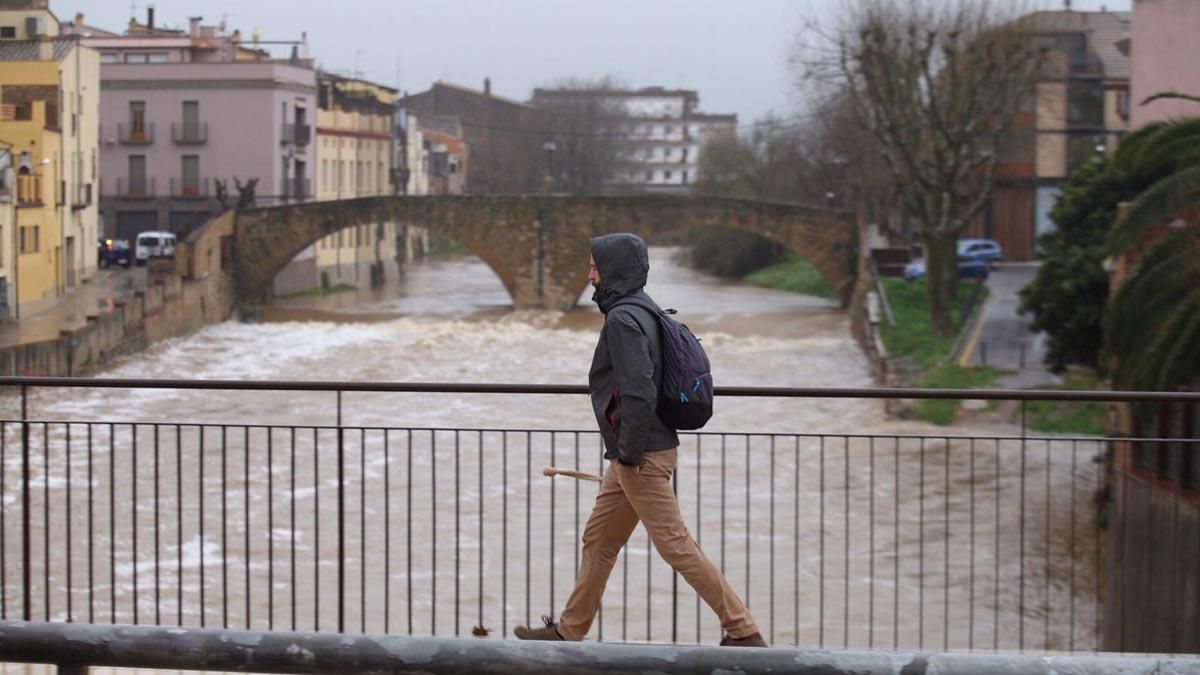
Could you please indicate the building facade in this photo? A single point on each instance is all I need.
(49, 105)
(354, 155)
(188, 116)
(1165, 54)
(1077, 113)
(660, 134)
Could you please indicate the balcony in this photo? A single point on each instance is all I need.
(182, 189)
(300, 134)
(189, 133)
(141, 188)
(140, 135)
(82, 197)
(295, 189)
(29, 191)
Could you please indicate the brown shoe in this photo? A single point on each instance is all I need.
(548, 632)
(754, 639)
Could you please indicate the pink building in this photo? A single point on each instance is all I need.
(1165, 57)
(187, 114)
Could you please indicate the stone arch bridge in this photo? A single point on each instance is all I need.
(536, 245)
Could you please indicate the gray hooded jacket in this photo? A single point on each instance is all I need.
(626, 369)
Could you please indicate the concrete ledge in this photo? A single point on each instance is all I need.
(83, 645)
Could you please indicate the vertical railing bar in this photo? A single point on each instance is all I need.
(771, 566)
(649, 574)
(896, 544)
(846, 542)
(91, 527)
(292, 522)
(821, 557)
(699, 516)
(996, 557)
(921, 547)
(946, 546)
(528, 518)
(553, 508)
(433, 529)
(270, 527)
(3, 531)
(178, 523)
(408, 493)
(26, 513)
(600, 610)
(224, 526)
(69, 517)
(157, 530)
(200, 518)
(387, 533)
(46, 516)
(362, 526)
(971, 549)
(1096, 552)
(479, 452)
(575, 548)
(341, 519)
(1071, 584)
(503, 534)
(316, 530)
(112, 523)
(871, 547)
(625, 594)
(674, 574)
(246, 513)
(723, 460)
(457, 533)
(748, 568)
(1046, 568)
(1021, 526)
(133, 505)
(795, 544)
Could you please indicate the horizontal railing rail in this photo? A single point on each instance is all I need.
(74, 648)
(897, 540)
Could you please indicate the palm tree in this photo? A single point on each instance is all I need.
(1152, 326)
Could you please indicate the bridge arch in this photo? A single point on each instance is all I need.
(537, 245)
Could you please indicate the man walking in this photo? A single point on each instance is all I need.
(641, 450)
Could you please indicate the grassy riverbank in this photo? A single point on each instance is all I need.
(794, 274)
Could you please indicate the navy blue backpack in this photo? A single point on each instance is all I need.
(685, 394)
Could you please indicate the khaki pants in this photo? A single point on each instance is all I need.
(626, 496)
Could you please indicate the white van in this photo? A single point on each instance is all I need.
(154, 245)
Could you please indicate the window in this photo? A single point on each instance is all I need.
(110, 57)
(649, 176)
(137, 175)
(156, 57)
(1083, 148)
(667, 175)
(8, 32)
(137, 117)
(685, 178)
(191, 175)
(666, 153)
(28, 238)
(1085, 104)
(191, 115)
(136, 58)
(23, 112)
(685, 154)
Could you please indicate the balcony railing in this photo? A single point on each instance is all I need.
(300, 134)
(83, 196)
(29, 191)
(296, 189)
(189, 134)
(136, 189)
(313, 522)
(181, 189)
(143, 135)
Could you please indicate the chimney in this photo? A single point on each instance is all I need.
(487, 86)
(150, 18)
(194, 26)
(78, 18)
(45, 48)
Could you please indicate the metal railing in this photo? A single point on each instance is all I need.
(29, 190)
(183, 189)
(74, 648)
(131, 135)
(194, 133)
(141, 188)
(833, 539)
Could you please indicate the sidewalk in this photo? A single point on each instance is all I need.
(1004, 339)
(97, 296)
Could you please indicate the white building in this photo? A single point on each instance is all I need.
(662, 133)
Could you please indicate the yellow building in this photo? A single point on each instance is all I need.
(355, 121)
(8, 218)
(49, 116)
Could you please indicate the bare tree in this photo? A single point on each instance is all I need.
(938, 84)
(584, 120)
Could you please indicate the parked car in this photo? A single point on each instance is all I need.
(986, 250)
(154, 245)
(114, 252)
(969, 267)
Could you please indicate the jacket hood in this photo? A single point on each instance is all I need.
(624, 264)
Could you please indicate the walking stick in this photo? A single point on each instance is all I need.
(581, 475)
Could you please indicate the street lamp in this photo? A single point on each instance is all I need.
(550, 147)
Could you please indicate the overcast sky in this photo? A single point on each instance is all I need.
(734, 52)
